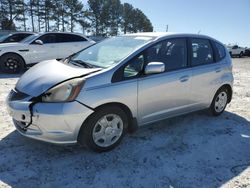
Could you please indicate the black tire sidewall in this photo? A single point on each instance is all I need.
(212, 106)
(86, 137)
(14, 56)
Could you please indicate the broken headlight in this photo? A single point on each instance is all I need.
(64, 92)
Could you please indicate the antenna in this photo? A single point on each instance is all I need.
(199, 32)
(166, 28)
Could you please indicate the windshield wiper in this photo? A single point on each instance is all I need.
(81, 63)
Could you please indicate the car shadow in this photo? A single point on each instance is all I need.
(194, 150)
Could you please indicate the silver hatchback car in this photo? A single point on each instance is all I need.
(94, 96)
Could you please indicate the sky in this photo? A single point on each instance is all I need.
(226, 20)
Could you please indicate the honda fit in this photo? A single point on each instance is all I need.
(97, 95)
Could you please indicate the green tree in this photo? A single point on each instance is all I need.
(141, 23)
(103, 17)
(75, 11)
(114, 16)
(46, 13)
(59, 17)
(127, 16)
(134, 20)
(31, 10)
(97, 16)
(10, 11)
(21, 8)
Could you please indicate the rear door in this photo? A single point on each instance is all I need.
(70, 43)
(168, 93)
(79, 42)
(206, 72)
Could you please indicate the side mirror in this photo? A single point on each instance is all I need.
(39, 42)
(154, 68)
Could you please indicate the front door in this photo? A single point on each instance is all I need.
(168, 93)
(48, 50)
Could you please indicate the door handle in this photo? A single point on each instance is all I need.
(217, 70)
(184, 78)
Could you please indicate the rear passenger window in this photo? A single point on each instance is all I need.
(171, 52)
(220, 51)
(202, 52)
(69, 38)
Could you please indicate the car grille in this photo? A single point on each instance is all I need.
(16, 95)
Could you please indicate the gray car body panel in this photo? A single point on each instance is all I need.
(149, 98)
(46, 74)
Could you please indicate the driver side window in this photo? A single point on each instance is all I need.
(134, 67)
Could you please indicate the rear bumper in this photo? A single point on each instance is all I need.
(57, 123)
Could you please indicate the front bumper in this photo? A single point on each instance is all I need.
(57, 123)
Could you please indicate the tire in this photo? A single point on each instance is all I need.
(231, 54)
(241, 54)
(219, 102)
(104, 136)
(11, 63)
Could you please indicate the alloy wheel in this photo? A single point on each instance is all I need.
(12, 64)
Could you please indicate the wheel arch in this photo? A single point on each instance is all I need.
(230, 91)
(132, 121)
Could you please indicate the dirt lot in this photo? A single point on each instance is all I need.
(195, 150)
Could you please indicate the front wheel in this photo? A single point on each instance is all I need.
(219, 102)
(11, 63)
(104, 129)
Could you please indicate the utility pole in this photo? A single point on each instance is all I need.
(166, 28)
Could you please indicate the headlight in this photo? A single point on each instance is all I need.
(64, 92)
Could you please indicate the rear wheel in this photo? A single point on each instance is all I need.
(104, 129)
(219, 102)
(241, 54)
(11, 63)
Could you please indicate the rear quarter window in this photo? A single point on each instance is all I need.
(61, 37)
(202, 52)
(220, 51)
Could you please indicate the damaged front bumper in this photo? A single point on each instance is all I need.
(57, 123)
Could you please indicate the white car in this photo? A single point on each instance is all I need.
(236, 51)
(14, 57)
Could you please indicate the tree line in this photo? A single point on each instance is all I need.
(99, 17)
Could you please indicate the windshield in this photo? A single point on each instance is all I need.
(29, 38)
(3, 37)
(110, 51)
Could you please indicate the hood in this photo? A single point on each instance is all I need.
(46, 74)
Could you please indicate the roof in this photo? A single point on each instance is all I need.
(22, 32)
(165, 34)
(151, 34)
(61, 32)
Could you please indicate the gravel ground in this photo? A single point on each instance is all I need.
(194, 150)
